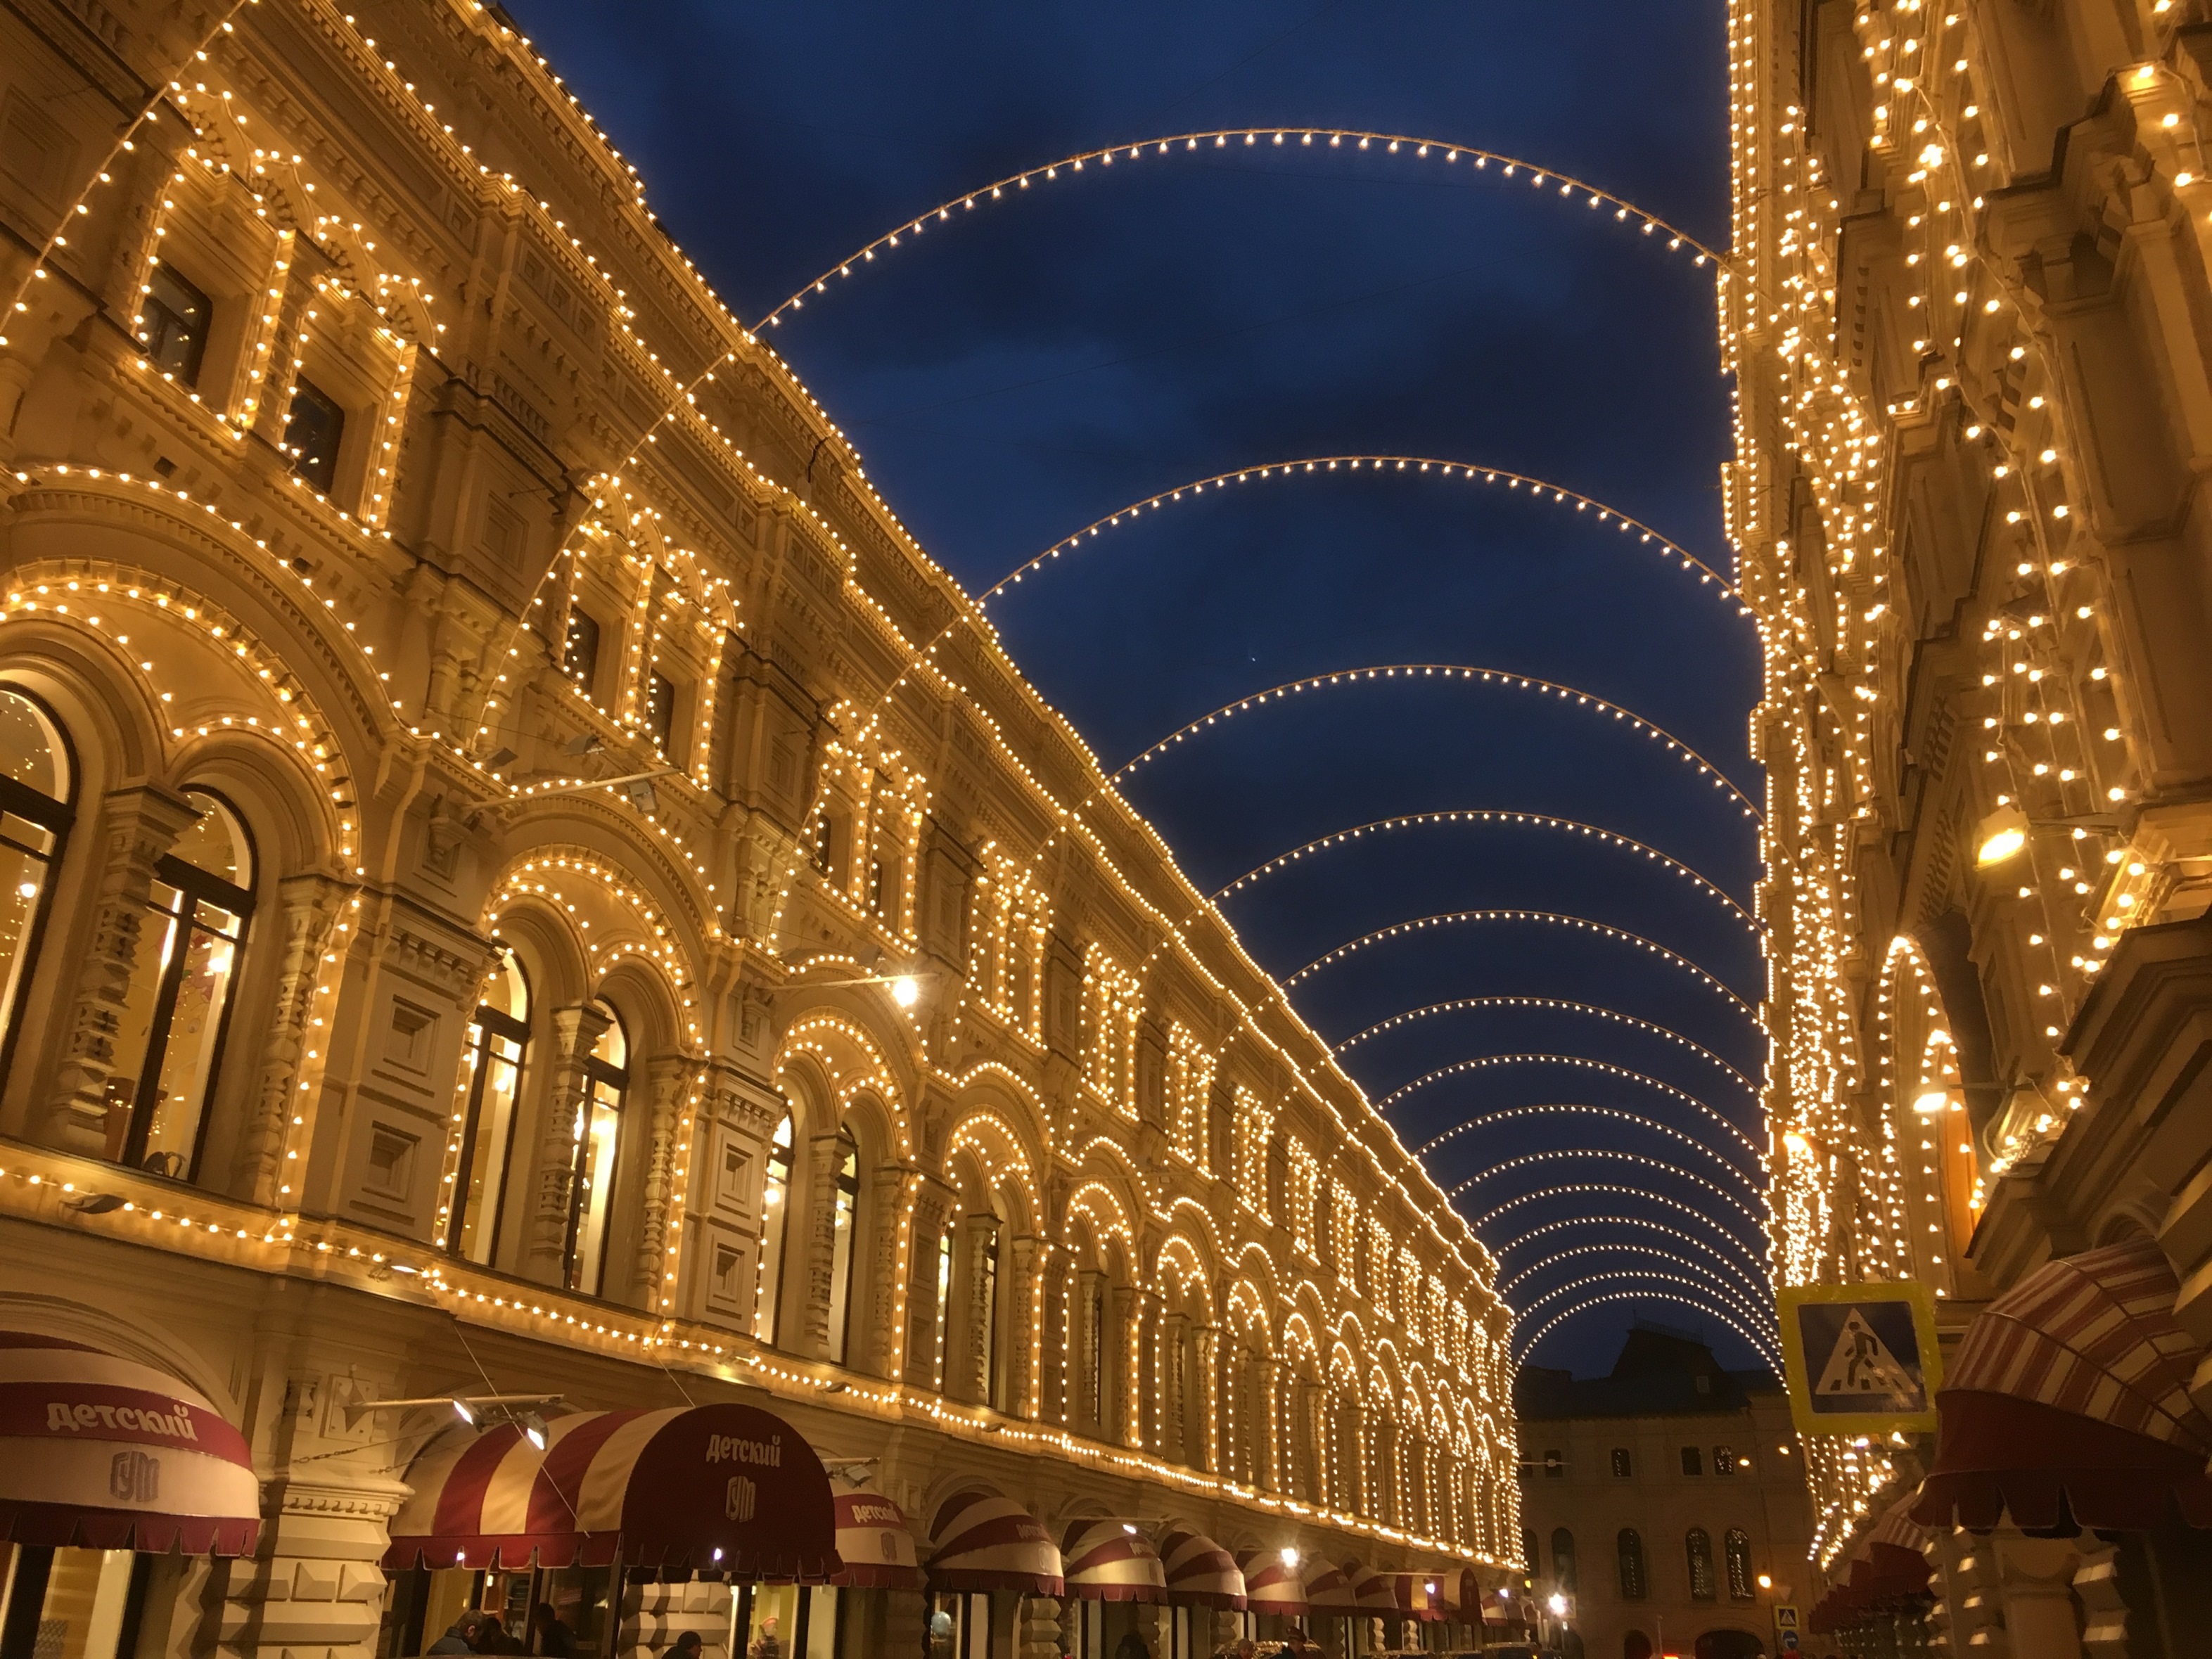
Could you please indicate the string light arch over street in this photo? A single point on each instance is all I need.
(1529, 1346)
(1610, 1189)
(1546, 918)
(1749, 1271)
(1388, 144)
(1411, 466)
(1697, 1296)
(1703, 1284)
(1460, 1068)
(1528, 1160)
(1476, 815)
(1756, 1311)
(1551, 1109)
(1391, 672)
(1552, 1004)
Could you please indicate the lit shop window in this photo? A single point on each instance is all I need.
(599, 1128)
(498, 1039)
(775, 1202)
(844, 1221)
(35, 786)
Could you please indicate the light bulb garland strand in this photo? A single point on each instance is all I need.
(1557, 1005)
(1611, 1154)
(1766, 1340)
(1461, 1068)
(1754, 1279)
(1696, 1305)
(1220, 138)
(1760, 1311)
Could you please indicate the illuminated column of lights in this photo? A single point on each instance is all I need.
(1489, 816)
(1387, 143)
(1748, 1274)
(1413, 466)
(1483, 1062)
(1445, 672)
(1544, 918)
(1514, 1113)
(1554, 1004)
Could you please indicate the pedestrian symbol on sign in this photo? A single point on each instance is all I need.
(1860, 1358)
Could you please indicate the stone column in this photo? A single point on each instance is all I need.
(820, 1245)
(307, 909)
(1266, 1455)
(138, 826)
(1176, 1420)
(968, 1372)
(1092, 1393)
(1057, 1351)
(546, 1241)
(1125, 1406)
(875, 1347)
(931, 1204)
(2035, 1577)
(667, 1079)
(2097, 1583)
(1208, 1453)
(1026, 1259)
(1148, 1415)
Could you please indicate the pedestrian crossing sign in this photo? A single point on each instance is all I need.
(1860, 1360)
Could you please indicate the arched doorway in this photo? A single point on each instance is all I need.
(1729, 1645)
(1636, 1645)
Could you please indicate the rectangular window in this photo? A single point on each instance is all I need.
(1724, 1460)
(1692, 1462)
(174, 326)
(494, 1068)
(1624, 1465)
(661, 710)
(579, 650)
(312, 433)
(843, 1218)
(944, 1307)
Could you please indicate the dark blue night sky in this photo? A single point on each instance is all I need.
(1044, 361)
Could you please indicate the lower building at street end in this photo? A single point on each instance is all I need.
(1967, 310)
(577, 1045)
(1663, 1505)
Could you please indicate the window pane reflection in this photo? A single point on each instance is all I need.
(34, 819)
(774, 1196)
(840, 1244)
(491, 1073)
(599, 1125)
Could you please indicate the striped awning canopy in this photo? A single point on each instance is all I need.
(1371, 1589)
(979, 1542)
(1200, 1573)
(1430, 1597)
(2069, 1399)
(874, 1543)
(99, 1452)
(1329, 1588)
(722, 1488)
(1271, 1583)
(1112, 1561)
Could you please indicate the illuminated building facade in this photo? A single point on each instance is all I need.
(523, 879)
(1965, 315)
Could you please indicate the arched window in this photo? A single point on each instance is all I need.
(1529, 1549)
(1630, 1546)
(497, 1040)
(1737, 1547)
(1698, 1548)
(1623, 1464)
(35, 791)
(776, 1203)
(844, 1222)
(178, 1001)
(598, 1128)
(1563, 1561)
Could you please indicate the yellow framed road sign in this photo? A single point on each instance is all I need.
(1861, 1359)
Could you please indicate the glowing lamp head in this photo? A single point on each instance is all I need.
(534, 1429)
(1931, 1103)
(1290, 1556)
(1558, 1605)
(2002, 834)
(464, 1410)
(1129, 1529)
(1767, 1581)
(905, 991)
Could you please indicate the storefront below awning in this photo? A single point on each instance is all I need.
(99, 1452)
(1272, 1582)
(2069, 1402)
(1200, 1573)
(1111, 1561)
(874, 1543)
(981, 1542)
(723, 1488)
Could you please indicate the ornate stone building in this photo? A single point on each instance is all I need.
(1967, 313)
(525, 883)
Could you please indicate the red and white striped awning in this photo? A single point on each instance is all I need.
(1430, 1597)
(2070, 1397)
(1369, 1589)
(1200, 1573)
(1112, 1561)
(1271, 1583)
(874, 1543)
(723, 1487)
(1330, 1589)
(979, 1542)
(99, 1452)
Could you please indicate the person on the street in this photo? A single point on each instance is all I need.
(460, 1635)
(548, 1635)
(491, 1637)
(687, 1646)
(767, 1644)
